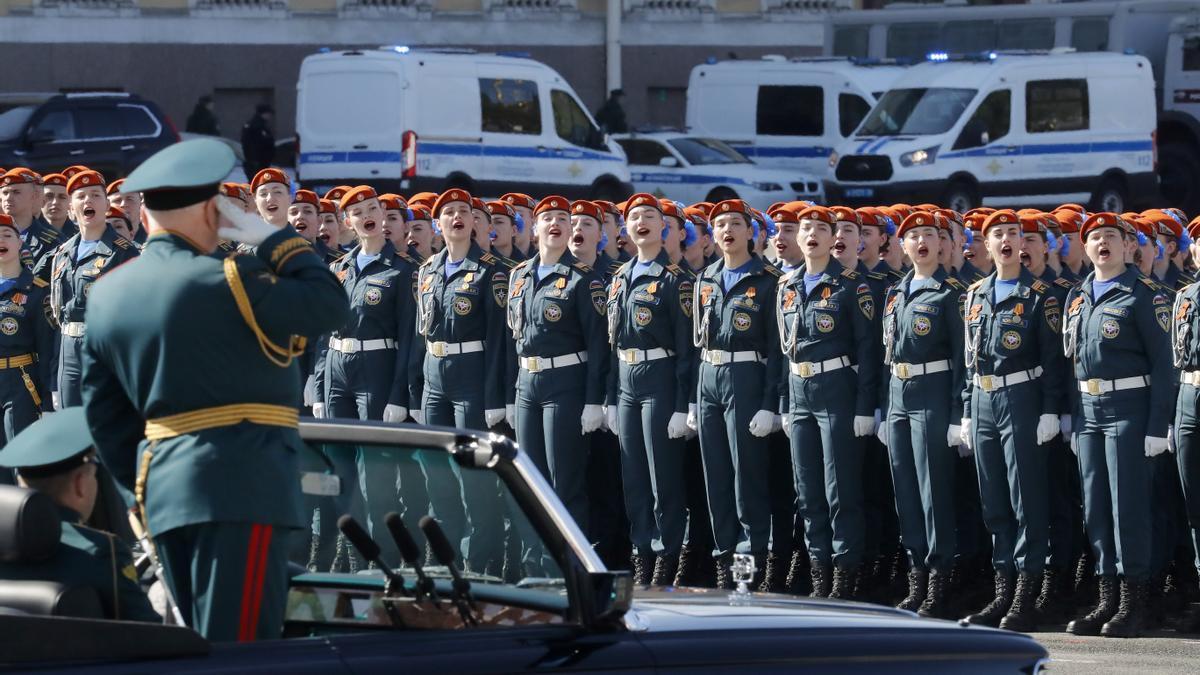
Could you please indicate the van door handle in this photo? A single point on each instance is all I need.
(127, 147)
(541, 148)
(76, 153)
(360, 147)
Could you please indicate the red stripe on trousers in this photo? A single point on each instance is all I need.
(245, 627)
(264, 546)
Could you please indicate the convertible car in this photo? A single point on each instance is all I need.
(444, 551)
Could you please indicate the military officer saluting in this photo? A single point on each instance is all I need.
(76, 265)
(56, 457)
(189, 363)
(26, 337)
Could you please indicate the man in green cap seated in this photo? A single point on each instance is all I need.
(56, 457)
(192, 388)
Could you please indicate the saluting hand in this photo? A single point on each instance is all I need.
(242, 227)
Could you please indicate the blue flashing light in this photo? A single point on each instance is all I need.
(401, 49)
(937, 56)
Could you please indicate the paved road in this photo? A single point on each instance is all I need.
(1163, 652)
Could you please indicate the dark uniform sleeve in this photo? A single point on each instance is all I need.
(46, 341)
(591, 298)
(953, 311)
(775, 362)
(968, 367)
(1153, 321)
(300, 282)
(495, 360)
(866, 347)
(117, 426)
(1053, 367)
(685, 391)
(405, 336)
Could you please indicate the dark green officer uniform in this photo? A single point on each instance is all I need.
(557, 320)
(77, 265)
(192, 399)
(85, 557)
(26, 352)
(736, 332)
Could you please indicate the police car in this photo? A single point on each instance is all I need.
(1006, 128)
(693, 169)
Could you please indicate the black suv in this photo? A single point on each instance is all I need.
(109, 132)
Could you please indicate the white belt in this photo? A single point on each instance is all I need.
(810, 368)
(536, 364)
(904, 371)
(990, 383)
(635, 356)
(720, 357)
(75, 329)
(1096, 387)
(1191, 377)
(350, 345)
(444, 349)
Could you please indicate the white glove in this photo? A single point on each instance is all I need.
(1064, 426)
(1074, 445)
(310, 393)
(245, 228)
(319, 410)
(882, 434)
(954, 435)
(56, 400)
(776, 423)
(1048, 427)
(761, 423)
(677, 427)
(863, 425)
(510, 415)
(1171, 439)
(592, 418)
(394, 414)
(964, 427)
(787, 425)
(418, 416)
(691, 417)
(490, 417)
(610, 418)
(1155, 446)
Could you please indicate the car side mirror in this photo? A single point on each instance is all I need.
(611, 596)
(985, 138)
(668, 162)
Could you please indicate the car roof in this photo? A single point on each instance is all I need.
(401, 54)
(38, 98)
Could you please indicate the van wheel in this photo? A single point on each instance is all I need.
(961, 197)
(720, 194)
(1178, 165)
(1110, 197)
(608, 191)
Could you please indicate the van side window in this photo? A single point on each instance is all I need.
(991, 118)
(1056, 105)
(851, 110)
(510, 106)
(790, 111)
(643, 153)
(1191, 54)
(572, 124)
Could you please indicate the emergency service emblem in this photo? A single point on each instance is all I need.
(922, 325)
(824, 323)
(741, 321)
(867, 304)
(462, 306)
(1109, 328)
(1011, 339)
(642, 316)
(500, 288)
(8, 325)
(373, 296)
(1163, 314)
(599, 297)
(685, 298)
(552, 312)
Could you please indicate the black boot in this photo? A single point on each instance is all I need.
(775, 577)
(689, 560)
(798, 581)
(822, 579)
(1022, 616)
(642, 566)
(936, 605)
(725, 573)
(845, 579)
(918, 585)
(1085, 579)
(998, 607)
(665, 569)
(1106, 607)
(760, 571)
(1054, 602)
(1127, 622)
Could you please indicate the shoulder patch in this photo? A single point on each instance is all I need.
(582, 267)
(878, 276)
(849, 274)
(1152, 284)
(1039, 286)
(121, 242)
(487, 258)
(977, 284)
(672, 268)
(40, 282)
(1063, 283)
(773, 271)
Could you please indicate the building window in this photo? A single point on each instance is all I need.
(85, 8)
(240, 8)
(510, 106)
(1090, 35)
(852, 41)
(912, 40)
(1056, 105)
(790, 111)
(383, 8)
(968, 37)
(529, 5)
(1025, 34)
(670, 6)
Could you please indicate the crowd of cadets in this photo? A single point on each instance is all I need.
(986, 415)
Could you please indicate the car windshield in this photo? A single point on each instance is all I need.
(12, 121)
(493, 541)
(699, 151)
(916, 112)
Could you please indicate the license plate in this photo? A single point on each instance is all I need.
(860, 192)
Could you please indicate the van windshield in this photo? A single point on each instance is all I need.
(916, 112)
(12, 121)
(707, 151)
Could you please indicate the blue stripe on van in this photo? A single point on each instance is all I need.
(805, 151)
(1055, 149)
(460, 149)
(686, 179)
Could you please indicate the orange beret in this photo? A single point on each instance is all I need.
(1137, 223)
(607, 206)
(927, 207)
(519, 199)
(478, 205)
(357, 195)
(950, 215)
(920, 219)
(420, 212)
(984, 210)
(819, 214)
(846, 214)
(306, 197)
(698, 215)
(731, 206)
(335, 194)
(902, 210)
(19, 176)
(1032, 223)
(1072, 207)
(783, 215)
(115, 187)
(234, 191)
(670, 208)
(552, 203)
(7, 221)
(83, 179)
(449, 197)
(1001, 217)
(640, 199)
(583, 207)
(267, 176)
(392, 202)
(1101, 220)
(1194, 229)
(70, 171)
(54, 179)
(429, 197)
(1068, 221)
(499, 208)
(703, 206)
(327, 206)
(115, 212)
(1164, 221)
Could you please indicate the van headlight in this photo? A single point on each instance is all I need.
(768, 187)
(919, 157)
(833, 160)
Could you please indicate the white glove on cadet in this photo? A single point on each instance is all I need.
(493, 417)
(863, 425)
(592, 418)
(510, 415)
(1048, 427)
(954, 436)
(395, 414)
(677, 426)
(56, 400)
(418, 416)
(786, 421)
(691, 417)
(1155, 446)
(1171, 439)
(761, 423)
(610, 418)
(1064, 427)
(319, 410)
(245, 228)
(964, 436)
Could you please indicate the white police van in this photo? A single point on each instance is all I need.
(692, 169)
(789, 114)
(411, 120)
(1011, 129)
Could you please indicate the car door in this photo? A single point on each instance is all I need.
(51, 141)
(141, 131)
(579, 154)
(649, 175)
(101, 137)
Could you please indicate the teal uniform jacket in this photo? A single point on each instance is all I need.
(71, 280)
(165, 336)
(1175, 278)
(94, 559)
(26, 327)
(40, 239)
(926, 326)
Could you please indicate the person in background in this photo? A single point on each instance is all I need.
(203, 120)
(611, 116)
(258, 141)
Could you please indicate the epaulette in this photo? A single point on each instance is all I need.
(427, 262)
(623, 267)
(523, 264)
(849, 273)
(1152, 284)
(878, 276)
(582, 267)
(784, 278)
(955, 283)
(773, 271)
(49, 237)
(1039, 286)
(121, 242)
(672, 268)
(1063, 283)
(406, 257)
(40, 282)
(977, 284)
(339, 261)
(487, 258)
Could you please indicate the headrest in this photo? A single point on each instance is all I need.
(29, 525)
